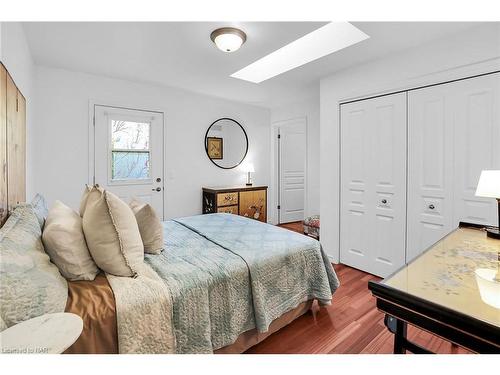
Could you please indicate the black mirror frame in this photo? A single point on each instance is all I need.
(206, 142)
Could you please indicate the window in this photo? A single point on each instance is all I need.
(130, 150)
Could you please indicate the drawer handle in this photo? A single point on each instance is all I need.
(431, 207)
(384, 201)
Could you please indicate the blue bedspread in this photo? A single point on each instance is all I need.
(228, 274)
(286, 268)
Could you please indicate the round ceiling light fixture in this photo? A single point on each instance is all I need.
(228, 39)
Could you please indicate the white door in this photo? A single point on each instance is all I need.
(128, 154)
(476, 107)
(292, 170)
(430, 166)
(373, 184)
(454, 130)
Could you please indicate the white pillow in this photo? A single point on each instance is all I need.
(149, 226)
(64, 241)
(85, 196)
(112, 234)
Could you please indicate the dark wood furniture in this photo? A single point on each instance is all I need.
(441, 292)
(248, 201)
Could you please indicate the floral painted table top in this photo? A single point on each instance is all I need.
(446, 274)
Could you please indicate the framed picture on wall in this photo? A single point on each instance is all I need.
(215, 148)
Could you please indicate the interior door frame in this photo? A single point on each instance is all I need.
(275, 184)
(91, 136)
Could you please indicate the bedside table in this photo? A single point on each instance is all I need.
(46, 334)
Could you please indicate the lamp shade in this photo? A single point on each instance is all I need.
(489, 184)
(248, 167)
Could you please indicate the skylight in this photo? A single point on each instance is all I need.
(321, 42)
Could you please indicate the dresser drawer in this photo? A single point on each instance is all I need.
(253, 204)
(228, 210)
(227, 199)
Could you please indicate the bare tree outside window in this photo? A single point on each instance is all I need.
(130, 150)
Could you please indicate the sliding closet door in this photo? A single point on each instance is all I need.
(430, 165)
(476, 106)
(373, 179)
(3, 144)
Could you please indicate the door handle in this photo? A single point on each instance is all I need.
(431, 207)
(157, 189)
(384, 201)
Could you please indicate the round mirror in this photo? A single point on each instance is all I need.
(226, 143)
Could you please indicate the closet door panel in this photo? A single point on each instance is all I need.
(355, 142)
(373, 184)
(3, 144)
(476, 104)
(430, 147)
(388, 162)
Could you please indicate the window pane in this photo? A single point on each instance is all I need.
(129, 135)
(129, 165)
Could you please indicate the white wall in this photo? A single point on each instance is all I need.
(472, 52)
(61, 166)
(16, 57)
(310, 110)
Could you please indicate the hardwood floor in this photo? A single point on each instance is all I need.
(352, 324)
(296, 226)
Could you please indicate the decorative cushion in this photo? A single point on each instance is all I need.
(112, 234)
(149, 226)
(30, 285)
(312, 221)
(40, 209)
(65, 243)
(85, 196)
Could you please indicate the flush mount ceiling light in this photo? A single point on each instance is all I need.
(321, 42)
(228, 39)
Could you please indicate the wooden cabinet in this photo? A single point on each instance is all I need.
(12, 145)
(248, 201)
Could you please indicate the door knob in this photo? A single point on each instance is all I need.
(157, 189)
(431, 207)
(384, 201)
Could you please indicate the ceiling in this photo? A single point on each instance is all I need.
(180, 54)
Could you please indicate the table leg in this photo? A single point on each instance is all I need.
(401, 344)
(400, 337)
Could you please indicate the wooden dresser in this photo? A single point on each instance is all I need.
(248, 201)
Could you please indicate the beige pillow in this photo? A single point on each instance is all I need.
(64, 242)
(85, 197)
(149, 226)
(112, 234)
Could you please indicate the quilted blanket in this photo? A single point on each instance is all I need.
(285, 268)
(227, 275)
(209, 287)
(143, 313)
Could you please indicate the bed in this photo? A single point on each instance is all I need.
(229, 283)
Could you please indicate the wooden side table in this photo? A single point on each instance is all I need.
(46, 334)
